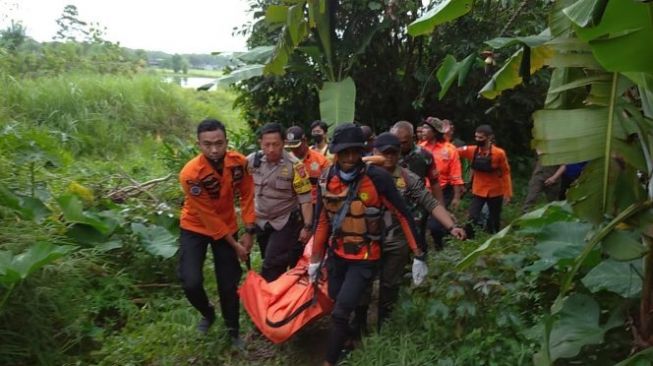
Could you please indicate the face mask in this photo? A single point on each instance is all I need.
(318, 138)
(481, 143)
(348, 176)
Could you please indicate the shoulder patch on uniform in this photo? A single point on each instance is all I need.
(300, 170)
(237, 173)
(401, 183)
(195, 190)
(364, 196)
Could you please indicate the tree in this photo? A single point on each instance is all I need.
(393, 73)
(178, 63)
(13, 36)
(71, 28)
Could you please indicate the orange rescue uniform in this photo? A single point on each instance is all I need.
(447, 162)
(315, 163)
(376, 189)
(490, 184)
(209, 196)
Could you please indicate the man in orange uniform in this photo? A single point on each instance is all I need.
(320, 139)
(314, 162)
(447, 161)
(351, 201)
(491, 183)
(210, 182)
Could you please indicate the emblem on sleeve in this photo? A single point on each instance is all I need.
(301, 171)
(195, 190)
(237, 173)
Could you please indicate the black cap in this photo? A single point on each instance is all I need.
(294, 136)
(485, 129)
(386, 141)
(345, 136)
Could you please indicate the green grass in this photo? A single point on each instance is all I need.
(102, 115)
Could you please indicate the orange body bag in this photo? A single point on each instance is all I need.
(284, 306)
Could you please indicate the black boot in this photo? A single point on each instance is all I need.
(207, 320)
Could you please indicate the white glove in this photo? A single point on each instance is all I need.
(312, 271)
(420, 270)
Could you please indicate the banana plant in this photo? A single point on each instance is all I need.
(597, 109)
(307, 27)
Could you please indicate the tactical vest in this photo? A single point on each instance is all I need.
(361, 227)
(482, 163)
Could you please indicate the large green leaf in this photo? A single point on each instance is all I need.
(276, 14)
(528, 223)
(16, 268)
(73, 211)
(450, 70)
(530, 41)
(622, 245)
(559, 23)
(292, 34)
(155, 239)
(586, 12)
(565, 136)
(444, 11)
(622, 278)
(559, 241)
(26, 207)
(508, 76)
(240, 74)
(319, 18)
(577, 325)
(621, 42)
(257, 55)
(338, 101)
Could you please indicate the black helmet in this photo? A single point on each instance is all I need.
(346, 136)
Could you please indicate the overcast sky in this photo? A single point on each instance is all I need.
(182, 26)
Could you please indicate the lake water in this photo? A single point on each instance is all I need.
(193, 82)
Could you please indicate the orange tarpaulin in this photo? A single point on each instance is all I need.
(282, 307)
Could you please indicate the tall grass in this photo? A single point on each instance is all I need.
(97, 114)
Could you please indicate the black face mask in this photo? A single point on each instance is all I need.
(481, 143)
(318, 138)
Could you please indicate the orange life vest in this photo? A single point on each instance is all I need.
(362, 225)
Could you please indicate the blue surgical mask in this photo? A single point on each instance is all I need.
(348, 176)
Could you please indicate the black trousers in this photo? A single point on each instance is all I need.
(348, 281)
(438, 231)
(280, 249)
(192, 253)
(494, 205)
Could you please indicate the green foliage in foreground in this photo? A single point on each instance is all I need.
(77, 261)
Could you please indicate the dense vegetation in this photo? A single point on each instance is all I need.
(90, 145)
